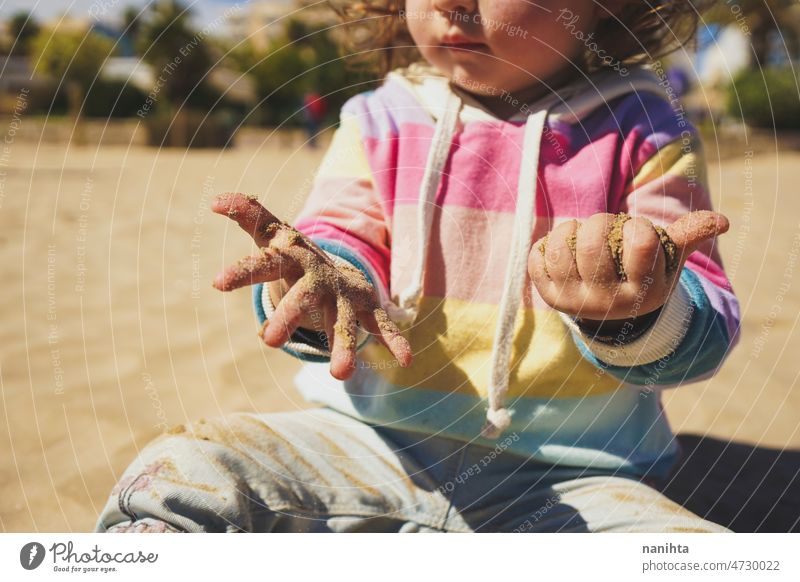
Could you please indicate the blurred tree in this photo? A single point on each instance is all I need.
(131, 25)
(131, 20)
(181, 58)
(22, 28)
(113, 99)
(764, 19)
(766, 98)
(177, 52)
(281, 81)
(73, 58)
(305, 58)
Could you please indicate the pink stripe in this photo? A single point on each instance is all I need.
(665, 200)
(348, 211)
(669, 197)
(703, 265)
(467, 257)
(351, 203)
(378, 260)
(484, 165)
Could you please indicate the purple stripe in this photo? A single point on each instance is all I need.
(381, 112)
(724, 302)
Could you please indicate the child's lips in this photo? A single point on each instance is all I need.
(466, 46)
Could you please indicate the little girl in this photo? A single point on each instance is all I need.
(508, 252)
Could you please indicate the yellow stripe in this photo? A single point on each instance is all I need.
(452, 344)
(346, 157)
(675, 158)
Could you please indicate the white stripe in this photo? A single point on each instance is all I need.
(659, 341)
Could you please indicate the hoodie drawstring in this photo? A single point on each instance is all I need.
(406, 309)
(498, 417)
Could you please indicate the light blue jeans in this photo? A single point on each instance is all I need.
(319, 470)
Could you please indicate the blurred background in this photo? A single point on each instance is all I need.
(121, 119)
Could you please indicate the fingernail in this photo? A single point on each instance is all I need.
(218, 201)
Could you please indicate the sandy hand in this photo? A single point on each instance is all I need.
(613, 266)
(321, 293)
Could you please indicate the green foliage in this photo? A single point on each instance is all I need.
(190, 128)
(105, 99)
(113, 99)
(70, 56)
(305, 58)
(728, 12)
(771, 99)
(22, 28)
(181, 58)
(46, 101)
(281, 81)
(131, 21)
(177, 52)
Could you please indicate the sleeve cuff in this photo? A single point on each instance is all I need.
(660, 340)
(301, 344)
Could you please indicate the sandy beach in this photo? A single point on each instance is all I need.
(111, 330)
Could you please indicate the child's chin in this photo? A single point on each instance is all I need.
(475, 80)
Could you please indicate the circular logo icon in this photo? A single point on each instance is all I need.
(31, 555)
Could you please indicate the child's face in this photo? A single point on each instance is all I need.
(491, 46)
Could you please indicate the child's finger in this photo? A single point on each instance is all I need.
(378, 323)
(328, 321)
(266, 266)
(560, 252)
(343, 351)
(642, 255)
(593, 253)
(537, 267)
(248, 214)
(690, 230)
(287, 317)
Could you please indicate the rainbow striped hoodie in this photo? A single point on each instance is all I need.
(438, 202)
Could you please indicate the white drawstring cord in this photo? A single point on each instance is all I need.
(498, 418)
(406, 309)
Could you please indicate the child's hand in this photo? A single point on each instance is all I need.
(614, 267)
(321, 294)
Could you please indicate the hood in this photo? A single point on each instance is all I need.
(573, 101)
(449, 106)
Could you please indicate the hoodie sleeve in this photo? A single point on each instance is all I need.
(344, 216)
(699, 324)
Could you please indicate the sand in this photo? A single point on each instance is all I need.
(615, 237)
(111, 331)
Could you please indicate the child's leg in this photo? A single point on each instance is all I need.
(616, 504)
(503, 491)
(593, 504)
(144, 525)
(314, 470)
